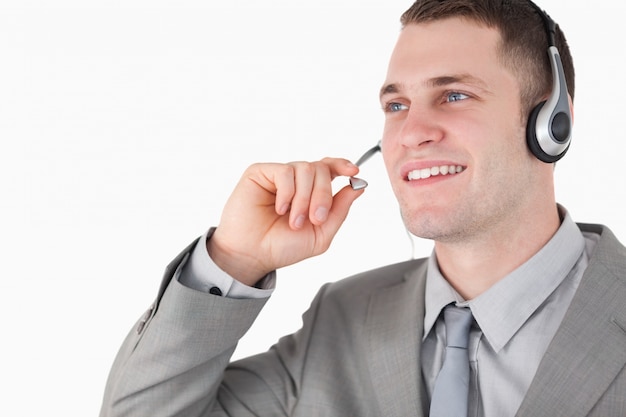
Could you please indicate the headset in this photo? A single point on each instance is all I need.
(549, 128)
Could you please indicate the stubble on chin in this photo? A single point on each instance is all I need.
(426, 225)
(445, 226)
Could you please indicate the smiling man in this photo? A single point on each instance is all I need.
(521, 304)
(450, 102)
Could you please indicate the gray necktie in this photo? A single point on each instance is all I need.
(450, 395)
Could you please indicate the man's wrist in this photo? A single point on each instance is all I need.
(234, 264)
(201, 273)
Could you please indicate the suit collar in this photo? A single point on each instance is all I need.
(394, 326)
(586, 353)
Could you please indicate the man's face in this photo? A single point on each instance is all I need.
(454, 138)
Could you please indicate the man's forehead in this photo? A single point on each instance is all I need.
(443, 52)
(451, 30)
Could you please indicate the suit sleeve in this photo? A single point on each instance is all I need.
(173, 360)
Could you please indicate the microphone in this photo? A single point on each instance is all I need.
(358, 183)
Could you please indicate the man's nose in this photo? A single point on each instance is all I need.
(420, 127)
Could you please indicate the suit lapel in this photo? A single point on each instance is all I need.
(394, 325)
(587, 352)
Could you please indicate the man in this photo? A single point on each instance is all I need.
(547, 297)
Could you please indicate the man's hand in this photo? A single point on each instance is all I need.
(280, 214)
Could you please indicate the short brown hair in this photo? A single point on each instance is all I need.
(524, 39)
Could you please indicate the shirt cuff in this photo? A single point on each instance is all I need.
(202, 274)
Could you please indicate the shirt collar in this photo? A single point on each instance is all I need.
(506, 306)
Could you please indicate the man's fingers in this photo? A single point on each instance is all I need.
(321, 195)
(340, 167)
(304, 179)
(341, 206)
(284, 180)
(313, 198)
(303, 190)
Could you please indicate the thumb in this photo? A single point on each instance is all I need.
(342, 201)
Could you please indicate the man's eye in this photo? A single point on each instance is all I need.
(395, 107)
(456, 96)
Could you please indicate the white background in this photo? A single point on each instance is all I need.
(125, 124)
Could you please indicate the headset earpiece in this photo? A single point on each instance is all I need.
(549, 128)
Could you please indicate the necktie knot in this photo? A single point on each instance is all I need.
(458, 321)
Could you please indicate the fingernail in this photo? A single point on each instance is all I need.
(321, 214)
(284, 209)
(299, 222)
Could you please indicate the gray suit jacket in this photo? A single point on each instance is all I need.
(358, 352)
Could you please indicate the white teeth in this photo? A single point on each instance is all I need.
(422, 174)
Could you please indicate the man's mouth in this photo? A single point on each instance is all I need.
(424, 173)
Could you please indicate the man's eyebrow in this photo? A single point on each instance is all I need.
(441, 81)
(389, 89)
(453, 79)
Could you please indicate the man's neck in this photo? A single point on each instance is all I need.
(472, 266)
